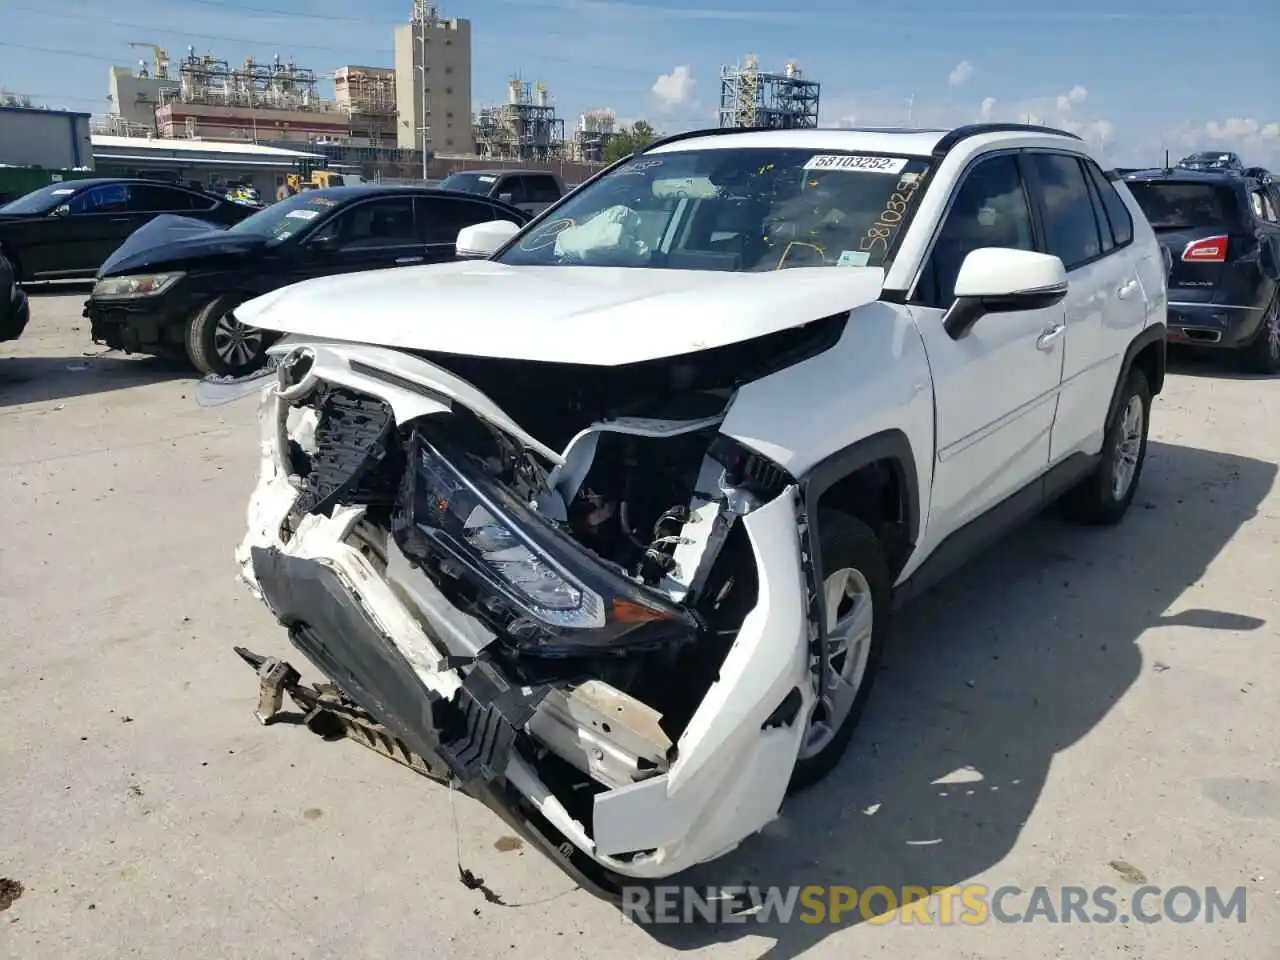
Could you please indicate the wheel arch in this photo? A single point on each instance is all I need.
(1147, 352)
(876, 480)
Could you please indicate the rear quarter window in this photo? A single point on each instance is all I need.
(1173, 205)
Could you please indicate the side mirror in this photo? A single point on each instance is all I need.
(484, 239)
(1003, 280)
(61, 210)
(509, 198)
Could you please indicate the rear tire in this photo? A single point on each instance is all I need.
(219, 345)
(1103, 497)
(857, 572)
(1263, 354)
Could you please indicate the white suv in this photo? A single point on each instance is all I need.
(605, 526)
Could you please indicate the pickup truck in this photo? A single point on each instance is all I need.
(530, 190)
(605, 530)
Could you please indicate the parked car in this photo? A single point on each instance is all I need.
(1212, 160)
(530, 190)
(175, 283)
(1221, 233)
(64, 231)
(610, 541)
(15, 313)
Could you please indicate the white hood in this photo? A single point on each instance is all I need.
(604, 316)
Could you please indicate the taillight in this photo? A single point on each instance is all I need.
(1206, 250)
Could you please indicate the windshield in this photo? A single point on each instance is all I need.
(1170, 205)
(282, 220)
(732, 210)
(480, 183)
(42, 200)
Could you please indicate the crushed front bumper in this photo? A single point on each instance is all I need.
(484, 733)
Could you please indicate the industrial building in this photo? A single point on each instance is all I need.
(134, 94)
(254, 101)
(433, 82)
(367, 95)
(524, 128)
(39, 137)
(595, 129)
(751, 97)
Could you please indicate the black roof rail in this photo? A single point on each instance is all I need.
(952, 138)
(693, 134)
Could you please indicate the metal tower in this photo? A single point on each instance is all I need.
(751, 97)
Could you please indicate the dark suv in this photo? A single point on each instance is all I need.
(1221, 233)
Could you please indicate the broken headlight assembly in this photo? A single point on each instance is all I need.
(542, 592)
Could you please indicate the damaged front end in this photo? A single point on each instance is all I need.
(597, 620)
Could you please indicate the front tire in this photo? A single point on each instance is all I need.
(858, 591)
(1103, 497)
(1263, 354)
(219, 345)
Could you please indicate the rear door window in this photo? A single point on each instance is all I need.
(1117, 211)
(148, 198)
(1071, 229)
(1179, 205)
(443, 217)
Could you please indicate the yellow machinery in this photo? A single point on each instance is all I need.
(318, 180)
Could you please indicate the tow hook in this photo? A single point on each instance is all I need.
(326, 713)
(275, 678)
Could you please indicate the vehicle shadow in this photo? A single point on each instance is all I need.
(987, 678)
(1210, 365)
(37, 379)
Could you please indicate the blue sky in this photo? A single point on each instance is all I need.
(1174, 74)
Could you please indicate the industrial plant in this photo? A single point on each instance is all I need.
(412, 120)
(751, 97)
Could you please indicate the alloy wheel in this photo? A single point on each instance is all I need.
(1128, 448)
(235, 343)
(850, 619)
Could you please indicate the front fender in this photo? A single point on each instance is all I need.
(874, 381)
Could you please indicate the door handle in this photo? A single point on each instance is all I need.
(1127, 288)
(1050, 336)
(121, 219)
(410, 259)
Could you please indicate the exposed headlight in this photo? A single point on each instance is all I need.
(541, 590)
(137, 285)
(448, 508)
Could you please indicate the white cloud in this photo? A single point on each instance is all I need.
(1072, 98)
(675, 89)
(1066, 111)
(960, 74)
(1257, 141)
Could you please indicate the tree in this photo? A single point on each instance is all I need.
(629, 140)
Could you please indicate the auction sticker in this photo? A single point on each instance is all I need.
(303, 214)
(834, 161)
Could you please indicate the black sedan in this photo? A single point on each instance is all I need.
(64, 231)
(1221, 233)
(174, 284)
(14, 311)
